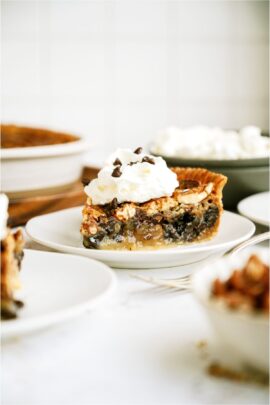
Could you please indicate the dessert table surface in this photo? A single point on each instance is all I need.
(142, 346)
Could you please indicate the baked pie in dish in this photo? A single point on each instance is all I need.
(12, 244)
(137, 202)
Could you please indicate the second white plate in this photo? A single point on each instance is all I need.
(257, 208)
(61, 231)
(55, 288)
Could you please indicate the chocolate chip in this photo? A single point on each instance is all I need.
(91, 243)
(18, 303)
(85, 181)
(117, 162)
(148, 159)
(116, 172)
(114, 203)
(138, 150)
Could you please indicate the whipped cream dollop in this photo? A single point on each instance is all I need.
(202, 142)
(3, 215)
(132, 177)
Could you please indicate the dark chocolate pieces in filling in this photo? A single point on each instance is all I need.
(186, 227)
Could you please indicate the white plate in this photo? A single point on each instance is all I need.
(257, 208)
(55, 288)
(60, 231)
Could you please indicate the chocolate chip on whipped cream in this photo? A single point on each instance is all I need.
(148, 159)
(138, 151)
(116, 172)
(117, 162)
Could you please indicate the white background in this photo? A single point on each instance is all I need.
(117, 71)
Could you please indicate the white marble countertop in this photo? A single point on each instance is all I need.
(140, 347)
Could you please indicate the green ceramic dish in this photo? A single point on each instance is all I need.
(245, 177)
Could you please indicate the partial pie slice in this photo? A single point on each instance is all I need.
(191, 214)
(11, 258)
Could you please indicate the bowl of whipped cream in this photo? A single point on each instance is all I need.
(242, 155)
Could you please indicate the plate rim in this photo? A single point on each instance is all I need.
(21, 326)
(122, 253)
(250, 217)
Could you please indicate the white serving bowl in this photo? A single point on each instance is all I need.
(246, 334)
(41, 170)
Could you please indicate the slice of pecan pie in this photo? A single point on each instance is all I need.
(191, 214)
(11, 245)
(11, 258)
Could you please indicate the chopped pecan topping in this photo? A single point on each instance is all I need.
(247, 288)
(187, 184)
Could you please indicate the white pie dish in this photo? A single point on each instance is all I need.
(246, 334)
(41, 170)
(55, 288)
(61, 231)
